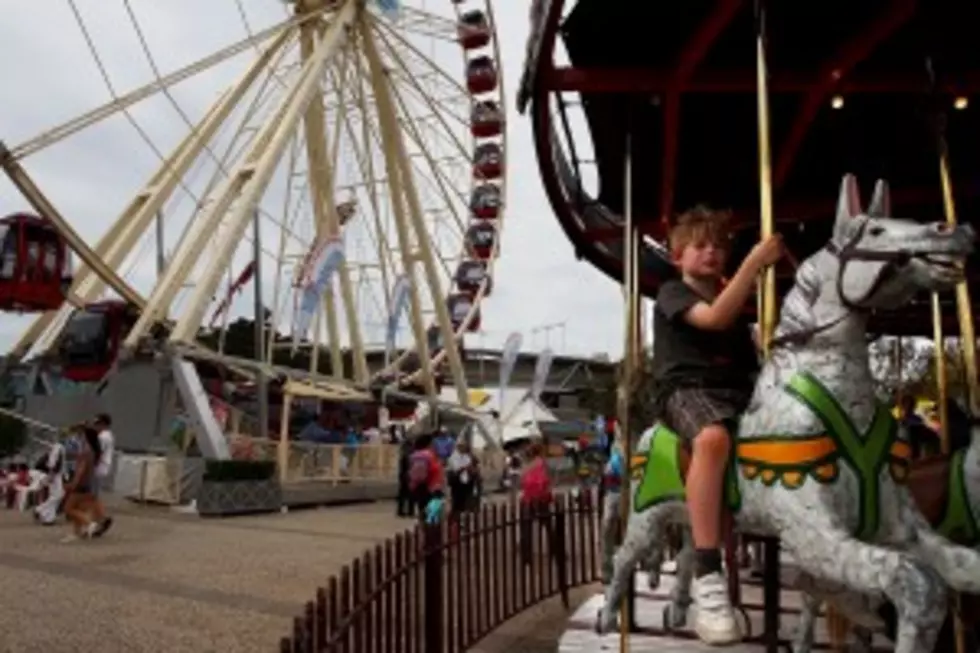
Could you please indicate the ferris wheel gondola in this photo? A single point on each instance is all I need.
(35, 264)
(351, 124)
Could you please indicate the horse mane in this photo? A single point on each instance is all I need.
(797, 313)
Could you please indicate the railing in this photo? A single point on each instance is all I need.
(342, 463)
(442, 588)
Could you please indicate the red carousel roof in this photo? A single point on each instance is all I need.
(849, 92)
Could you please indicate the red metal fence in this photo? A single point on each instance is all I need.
(442, 588)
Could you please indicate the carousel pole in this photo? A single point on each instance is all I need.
(626, 616)
(767, 291)
(964, 313)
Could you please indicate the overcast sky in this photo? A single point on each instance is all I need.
(50, 76)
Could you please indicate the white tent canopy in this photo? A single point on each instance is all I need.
(518, 414)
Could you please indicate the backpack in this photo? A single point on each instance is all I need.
(536, 486)
(419, 470)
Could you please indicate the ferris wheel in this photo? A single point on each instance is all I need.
(352, 167)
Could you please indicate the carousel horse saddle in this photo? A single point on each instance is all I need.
(786, 459)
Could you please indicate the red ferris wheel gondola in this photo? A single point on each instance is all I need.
(35, 264)
(473, 30)
(91, 339)
(487, 120)
(470, 275)
(488, 161)
(481, 75)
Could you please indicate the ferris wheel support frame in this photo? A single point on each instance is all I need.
(188, 252)
(256, 170)
(389, 137)
(36, 198)
(126, 231)
(396, 147)
(320, 172)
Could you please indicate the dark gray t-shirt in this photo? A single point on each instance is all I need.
(685, 356)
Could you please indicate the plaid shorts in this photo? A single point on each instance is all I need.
(689, 410)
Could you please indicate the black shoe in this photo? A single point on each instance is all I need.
(103, 527)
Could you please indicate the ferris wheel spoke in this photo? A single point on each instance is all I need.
(388, 31)
(137, 217)
(291, 216)
(388, 119)
(60, 132)
(323, 188)
(436, 26)
(377, 234)
(437, 173)
(252, 177)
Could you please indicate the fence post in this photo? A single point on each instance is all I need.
(433, 601)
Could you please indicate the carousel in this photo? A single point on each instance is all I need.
(640, 111)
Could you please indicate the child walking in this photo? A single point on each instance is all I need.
(705, 363)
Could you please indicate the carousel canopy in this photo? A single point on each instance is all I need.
(849, 92)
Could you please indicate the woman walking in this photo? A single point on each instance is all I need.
(80, 489)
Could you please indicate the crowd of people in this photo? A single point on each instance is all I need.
(70, 475)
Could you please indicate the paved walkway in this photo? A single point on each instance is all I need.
(161, 581)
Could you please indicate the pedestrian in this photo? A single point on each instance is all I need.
(462, 479)
(536, 498)
(405, 502)
(81, 499)
(102, 480)
(426, 479)
(54, 467)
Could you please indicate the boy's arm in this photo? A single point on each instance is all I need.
(722, 313)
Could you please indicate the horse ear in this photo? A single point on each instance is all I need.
(848, 205)
(881, 201)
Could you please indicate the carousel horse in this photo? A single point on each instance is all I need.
(947, 491)
(817, 461)
(614, 476)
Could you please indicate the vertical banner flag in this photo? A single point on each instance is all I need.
(508, 361)
(399, 304)
(541, 370)
(314, 279)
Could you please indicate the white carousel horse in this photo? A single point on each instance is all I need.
(818, 461)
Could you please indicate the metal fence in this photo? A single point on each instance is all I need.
(441, 588)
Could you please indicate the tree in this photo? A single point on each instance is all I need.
(13, 435)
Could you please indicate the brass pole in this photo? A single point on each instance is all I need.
(767, 291)
(629, 360)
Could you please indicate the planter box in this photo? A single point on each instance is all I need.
(219, 498)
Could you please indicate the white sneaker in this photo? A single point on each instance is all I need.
(91, 529)
(714, 619)
(68, 539)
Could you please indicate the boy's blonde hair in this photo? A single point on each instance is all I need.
(700, 224)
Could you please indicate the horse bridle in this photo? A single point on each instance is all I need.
(845, 254)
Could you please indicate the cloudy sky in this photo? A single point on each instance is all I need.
(50, 75)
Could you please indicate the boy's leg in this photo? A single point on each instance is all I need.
(700, 416)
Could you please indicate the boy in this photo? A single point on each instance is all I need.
(705, 363)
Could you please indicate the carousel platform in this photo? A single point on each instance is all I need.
(580, 635)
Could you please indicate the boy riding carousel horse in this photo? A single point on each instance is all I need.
(705, 363)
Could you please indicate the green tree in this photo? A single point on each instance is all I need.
(13, 435)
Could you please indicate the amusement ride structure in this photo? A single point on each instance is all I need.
(760, 108)
(353, 174)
